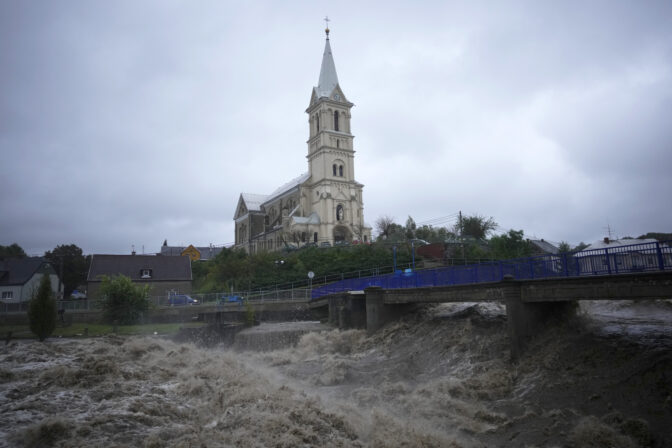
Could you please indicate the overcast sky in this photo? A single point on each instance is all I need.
(129, 122)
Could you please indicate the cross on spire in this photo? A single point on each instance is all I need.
(326, 22)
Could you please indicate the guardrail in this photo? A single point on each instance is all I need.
(221, 298)
(295, 294)
(644, 257)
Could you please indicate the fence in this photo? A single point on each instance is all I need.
(610, 261)
(221, 298)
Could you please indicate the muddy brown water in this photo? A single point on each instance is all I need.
(441, 377)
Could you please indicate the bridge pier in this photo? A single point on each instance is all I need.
(348, 310)
(378, 313)
(525, 319)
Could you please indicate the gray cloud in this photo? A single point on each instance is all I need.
(126, 123)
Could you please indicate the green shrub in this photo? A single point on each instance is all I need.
(249, 314)
(122, 301)
(42, 310)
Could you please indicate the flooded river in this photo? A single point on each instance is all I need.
(439, 378)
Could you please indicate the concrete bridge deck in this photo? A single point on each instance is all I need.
(530, 304)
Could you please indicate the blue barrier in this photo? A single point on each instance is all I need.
(644, 257)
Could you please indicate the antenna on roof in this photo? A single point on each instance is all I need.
(609, 231)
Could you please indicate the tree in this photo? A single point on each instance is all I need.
(12, 251)
(656, 235)
(122, 301)
(69, 261)
(384, 225)
(475, 226)
(580, 247)
(42, 310)
(410, 228)
(564, 247)
(510, 245)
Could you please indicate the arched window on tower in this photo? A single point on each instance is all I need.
(340, 171)
(338, 143)
(334, 168)
(336, 121)
(317, 122)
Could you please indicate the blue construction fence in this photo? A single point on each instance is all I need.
(643, 257)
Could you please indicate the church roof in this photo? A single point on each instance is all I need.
(254, 201)
(287, 187)
(328, 78)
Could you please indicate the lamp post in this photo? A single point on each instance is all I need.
(311, 274)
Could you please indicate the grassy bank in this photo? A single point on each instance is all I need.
(93, 330)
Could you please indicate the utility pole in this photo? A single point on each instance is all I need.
(461, 230)
(60, 277)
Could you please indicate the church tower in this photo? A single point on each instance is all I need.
(323, 206)
(336, 196)
(330, 151)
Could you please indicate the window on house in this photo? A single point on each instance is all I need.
(315, 237)
(146, 273)
(336, 120)
(303, 237)
(340, 171)
(7, 294)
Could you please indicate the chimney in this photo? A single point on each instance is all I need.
(606, 240)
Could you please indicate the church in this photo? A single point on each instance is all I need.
(324, 206)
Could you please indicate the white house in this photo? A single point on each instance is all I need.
(20, 278)
(627, 255)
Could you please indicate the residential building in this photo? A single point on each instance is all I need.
(20, 278)
(165, 275)
(202, 253)
(626, 255)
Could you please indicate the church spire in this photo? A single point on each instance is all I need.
(328, 78)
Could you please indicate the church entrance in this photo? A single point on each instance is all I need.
(342, 233)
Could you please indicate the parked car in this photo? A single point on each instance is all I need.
(325, 244)
(181, 299)
(76, 294)
(229, 299)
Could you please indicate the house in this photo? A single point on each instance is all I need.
(626, 255)
(323, 206)
(20, 278)
(203, 253)
(164, 275)
(542, 247)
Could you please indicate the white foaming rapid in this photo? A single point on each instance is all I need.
(440, 377)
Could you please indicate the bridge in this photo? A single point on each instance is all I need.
(535, 290)
(530, 304)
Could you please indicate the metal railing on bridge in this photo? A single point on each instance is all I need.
(644, 257)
